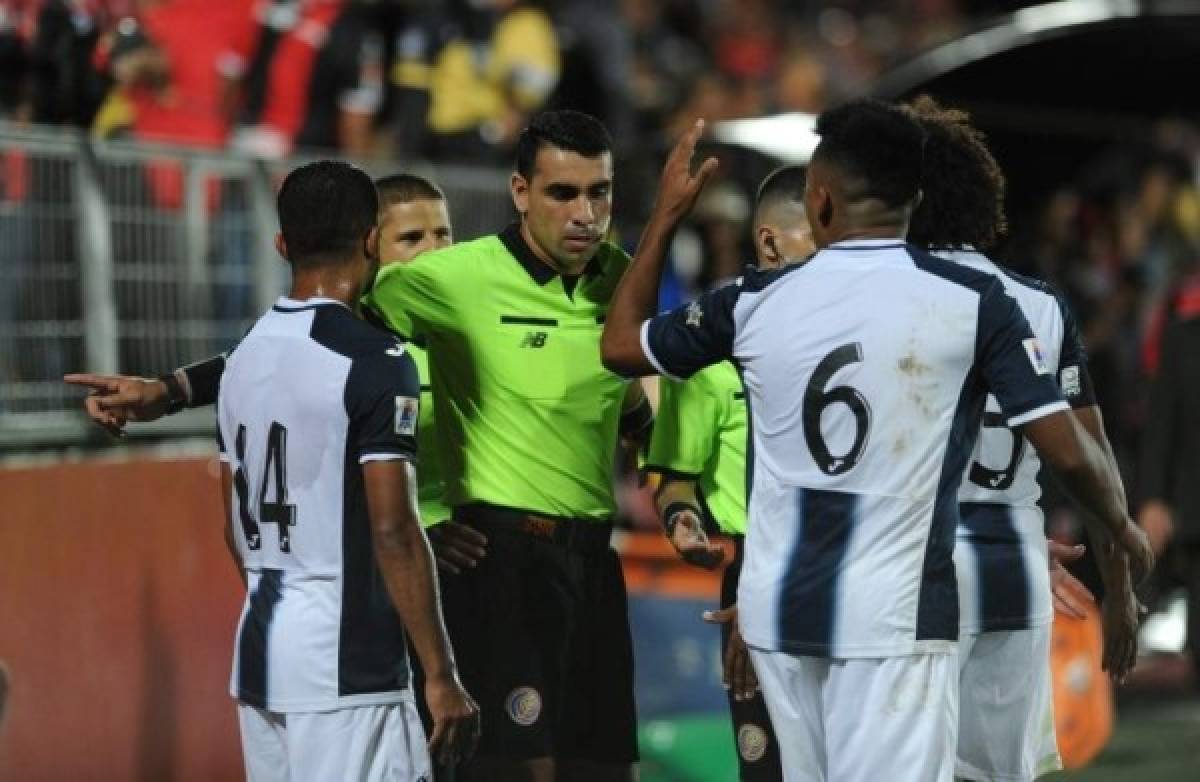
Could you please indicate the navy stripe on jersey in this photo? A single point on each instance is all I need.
(1003, 340)
(252, 643)
(937, 603)
(808, 597)
(1004, 598)
(372, 655)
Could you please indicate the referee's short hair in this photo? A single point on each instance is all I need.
(877, 146)
(573, 131)
(325, 210)
(406, 188)
(783, 185)
(962, 184)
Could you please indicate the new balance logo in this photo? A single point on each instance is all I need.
(534, 339)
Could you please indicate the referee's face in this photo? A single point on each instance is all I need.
(565, 206)
(409, 228)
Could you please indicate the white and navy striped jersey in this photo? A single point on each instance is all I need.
(1000, 555)
(308, 396)
(866, 371)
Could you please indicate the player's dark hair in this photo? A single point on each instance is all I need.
(783, 185)
(573, 131)
(877, 145)
(325, 210)
(962, 184)
(406, 188)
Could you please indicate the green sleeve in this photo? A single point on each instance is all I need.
(685, 428)
(414, 298)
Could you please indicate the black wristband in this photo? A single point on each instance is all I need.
(176, 398)
(672, 511)
(204, 380)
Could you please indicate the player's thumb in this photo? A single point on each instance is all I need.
(721, 615)
(1064, 553)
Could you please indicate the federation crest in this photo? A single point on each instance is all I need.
(1037, 358)
(524, 706)
(751, 742)
(407, 409)
(695, 314)
(1069, 380)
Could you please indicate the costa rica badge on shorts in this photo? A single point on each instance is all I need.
(524, 706)
(751, 742)
(407, 408)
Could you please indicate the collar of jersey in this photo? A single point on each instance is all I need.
(866, 244)
(539, 270)
(284, 304)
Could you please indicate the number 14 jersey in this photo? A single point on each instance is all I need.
(309, 395)
(866, 370)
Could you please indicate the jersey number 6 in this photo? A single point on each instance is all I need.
(816, 399)
(278, 512)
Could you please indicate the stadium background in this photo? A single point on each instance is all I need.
(135, 225)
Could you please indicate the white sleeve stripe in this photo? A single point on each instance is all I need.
(645, 339)
(384, 457)
(224, 457)
(1038, 412)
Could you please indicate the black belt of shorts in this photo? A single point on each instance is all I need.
(572, 534)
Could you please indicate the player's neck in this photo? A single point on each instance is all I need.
(327, 283)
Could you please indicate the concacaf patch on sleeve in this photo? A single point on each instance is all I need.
(1068, 380)
(407, 408)
(1037, 358)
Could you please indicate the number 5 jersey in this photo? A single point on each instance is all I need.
(309, 395)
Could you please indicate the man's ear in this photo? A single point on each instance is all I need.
(281, 246)
(371, 244)
(518, 186)
(765, 244)
(824, 208)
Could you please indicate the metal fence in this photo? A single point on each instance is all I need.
(117, 257)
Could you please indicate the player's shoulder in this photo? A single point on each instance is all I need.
(967, 276)
(339, 330)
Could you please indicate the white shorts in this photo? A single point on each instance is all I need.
(1006, 706)
(862, 720)
(363, 743)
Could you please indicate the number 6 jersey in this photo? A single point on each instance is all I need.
(308, 396)
(866, 370)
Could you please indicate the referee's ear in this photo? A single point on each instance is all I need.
(281, 246)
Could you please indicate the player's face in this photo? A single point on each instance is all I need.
(408, 229)
(566, 206)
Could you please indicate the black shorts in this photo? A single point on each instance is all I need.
(757, 748)
(541, 634)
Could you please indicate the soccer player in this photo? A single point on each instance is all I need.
(698, 447)
(1006, 724)
(531, 419)
(866, 371)
(317, 417)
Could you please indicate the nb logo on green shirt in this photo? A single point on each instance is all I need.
(534, 339)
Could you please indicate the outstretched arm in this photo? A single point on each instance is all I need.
(637, 294)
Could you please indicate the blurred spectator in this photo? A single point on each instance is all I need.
(1170, 510)
(314, 80)
(597, 63)
(468, 76)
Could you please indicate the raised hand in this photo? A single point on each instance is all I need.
(679, 187)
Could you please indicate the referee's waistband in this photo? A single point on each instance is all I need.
(580, 535)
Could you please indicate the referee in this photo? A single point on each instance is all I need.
(699, 449)
(530, 421)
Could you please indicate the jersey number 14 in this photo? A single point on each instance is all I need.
(278, 512)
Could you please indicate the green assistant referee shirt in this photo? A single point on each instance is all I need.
(431, 490)
(527, 414)
(700, 433)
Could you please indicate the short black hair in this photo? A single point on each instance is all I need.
(573, 131)
(962, 185)
(878, 145)
(784, 184)
(325, 209)
(405, 188)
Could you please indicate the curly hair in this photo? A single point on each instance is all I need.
(962, 184)
(876, 143)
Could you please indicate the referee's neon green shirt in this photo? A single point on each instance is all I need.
(527, 414)
(431, 490)
(700, 433)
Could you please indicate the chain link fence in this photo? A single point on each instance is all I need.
(117, 257)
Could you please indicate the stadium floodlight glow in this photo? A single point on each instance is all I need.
(790, 137)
